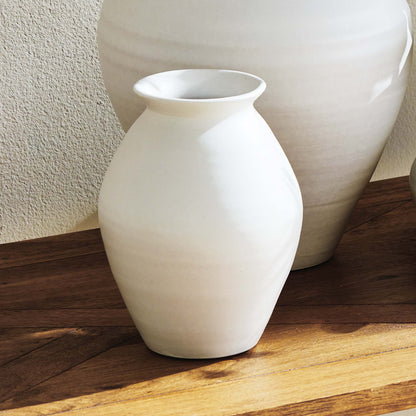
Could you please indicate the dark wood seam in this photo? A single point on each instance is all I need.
(29, 352)
(401, 204)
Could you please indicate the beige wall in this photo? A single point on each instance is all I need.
(400, 150)
(57, 129)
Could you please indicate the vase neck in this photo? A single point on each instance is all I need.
(193, 92)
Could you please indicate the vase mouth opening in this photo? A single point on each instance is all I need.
(200, 86)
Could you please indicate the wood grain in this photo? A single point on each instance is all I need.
(267, 391)
(65, 317)
(341, 341)
(16, 342)
(374, 264)
(54, 247)
(55, 357)
(77, 282)
(371, 402)
(282, 349)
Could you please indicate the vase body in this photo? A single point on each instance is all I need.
(200, 214)
(336, 72)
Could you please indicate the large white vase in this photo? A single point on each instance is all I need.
(336, 70)
(200, 214)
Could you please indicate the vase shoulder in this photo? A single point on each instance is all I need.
(231, 172)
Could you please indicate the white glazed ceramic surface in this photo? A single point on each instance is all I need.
(336, 70)
(412, 180)
(201, 214)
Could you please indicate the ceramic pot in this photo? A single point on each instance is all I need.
(200, 214)
(336, 72)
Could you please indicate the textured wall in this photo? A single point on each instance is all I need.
(400, 150)
(57, 129)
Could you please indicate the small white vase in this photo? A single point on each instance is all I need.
(200, 214)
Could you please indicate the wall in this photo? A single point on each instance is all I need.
(400, 150)
(58, 130)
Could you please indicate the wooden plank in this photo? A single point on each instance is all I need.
(365, 214)
(54, 247)
(382, 192)
(343, 314)
(370, 402)
(16, 342)
(57, 356)
(283, 314)
(375, 263)
(76, 282)
(274, 389)
(379, 198)
(254, 393)
(131, 371)
(63, 318)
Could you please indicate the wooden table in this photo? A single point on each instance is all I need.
(342, 340)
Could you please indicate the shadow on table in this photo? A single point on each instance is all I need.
(87, 361)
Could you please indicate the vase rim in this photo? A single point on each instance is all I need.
(200, 86)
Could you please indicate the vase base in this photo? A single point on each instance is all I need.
(304, 262)
(198, 354)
